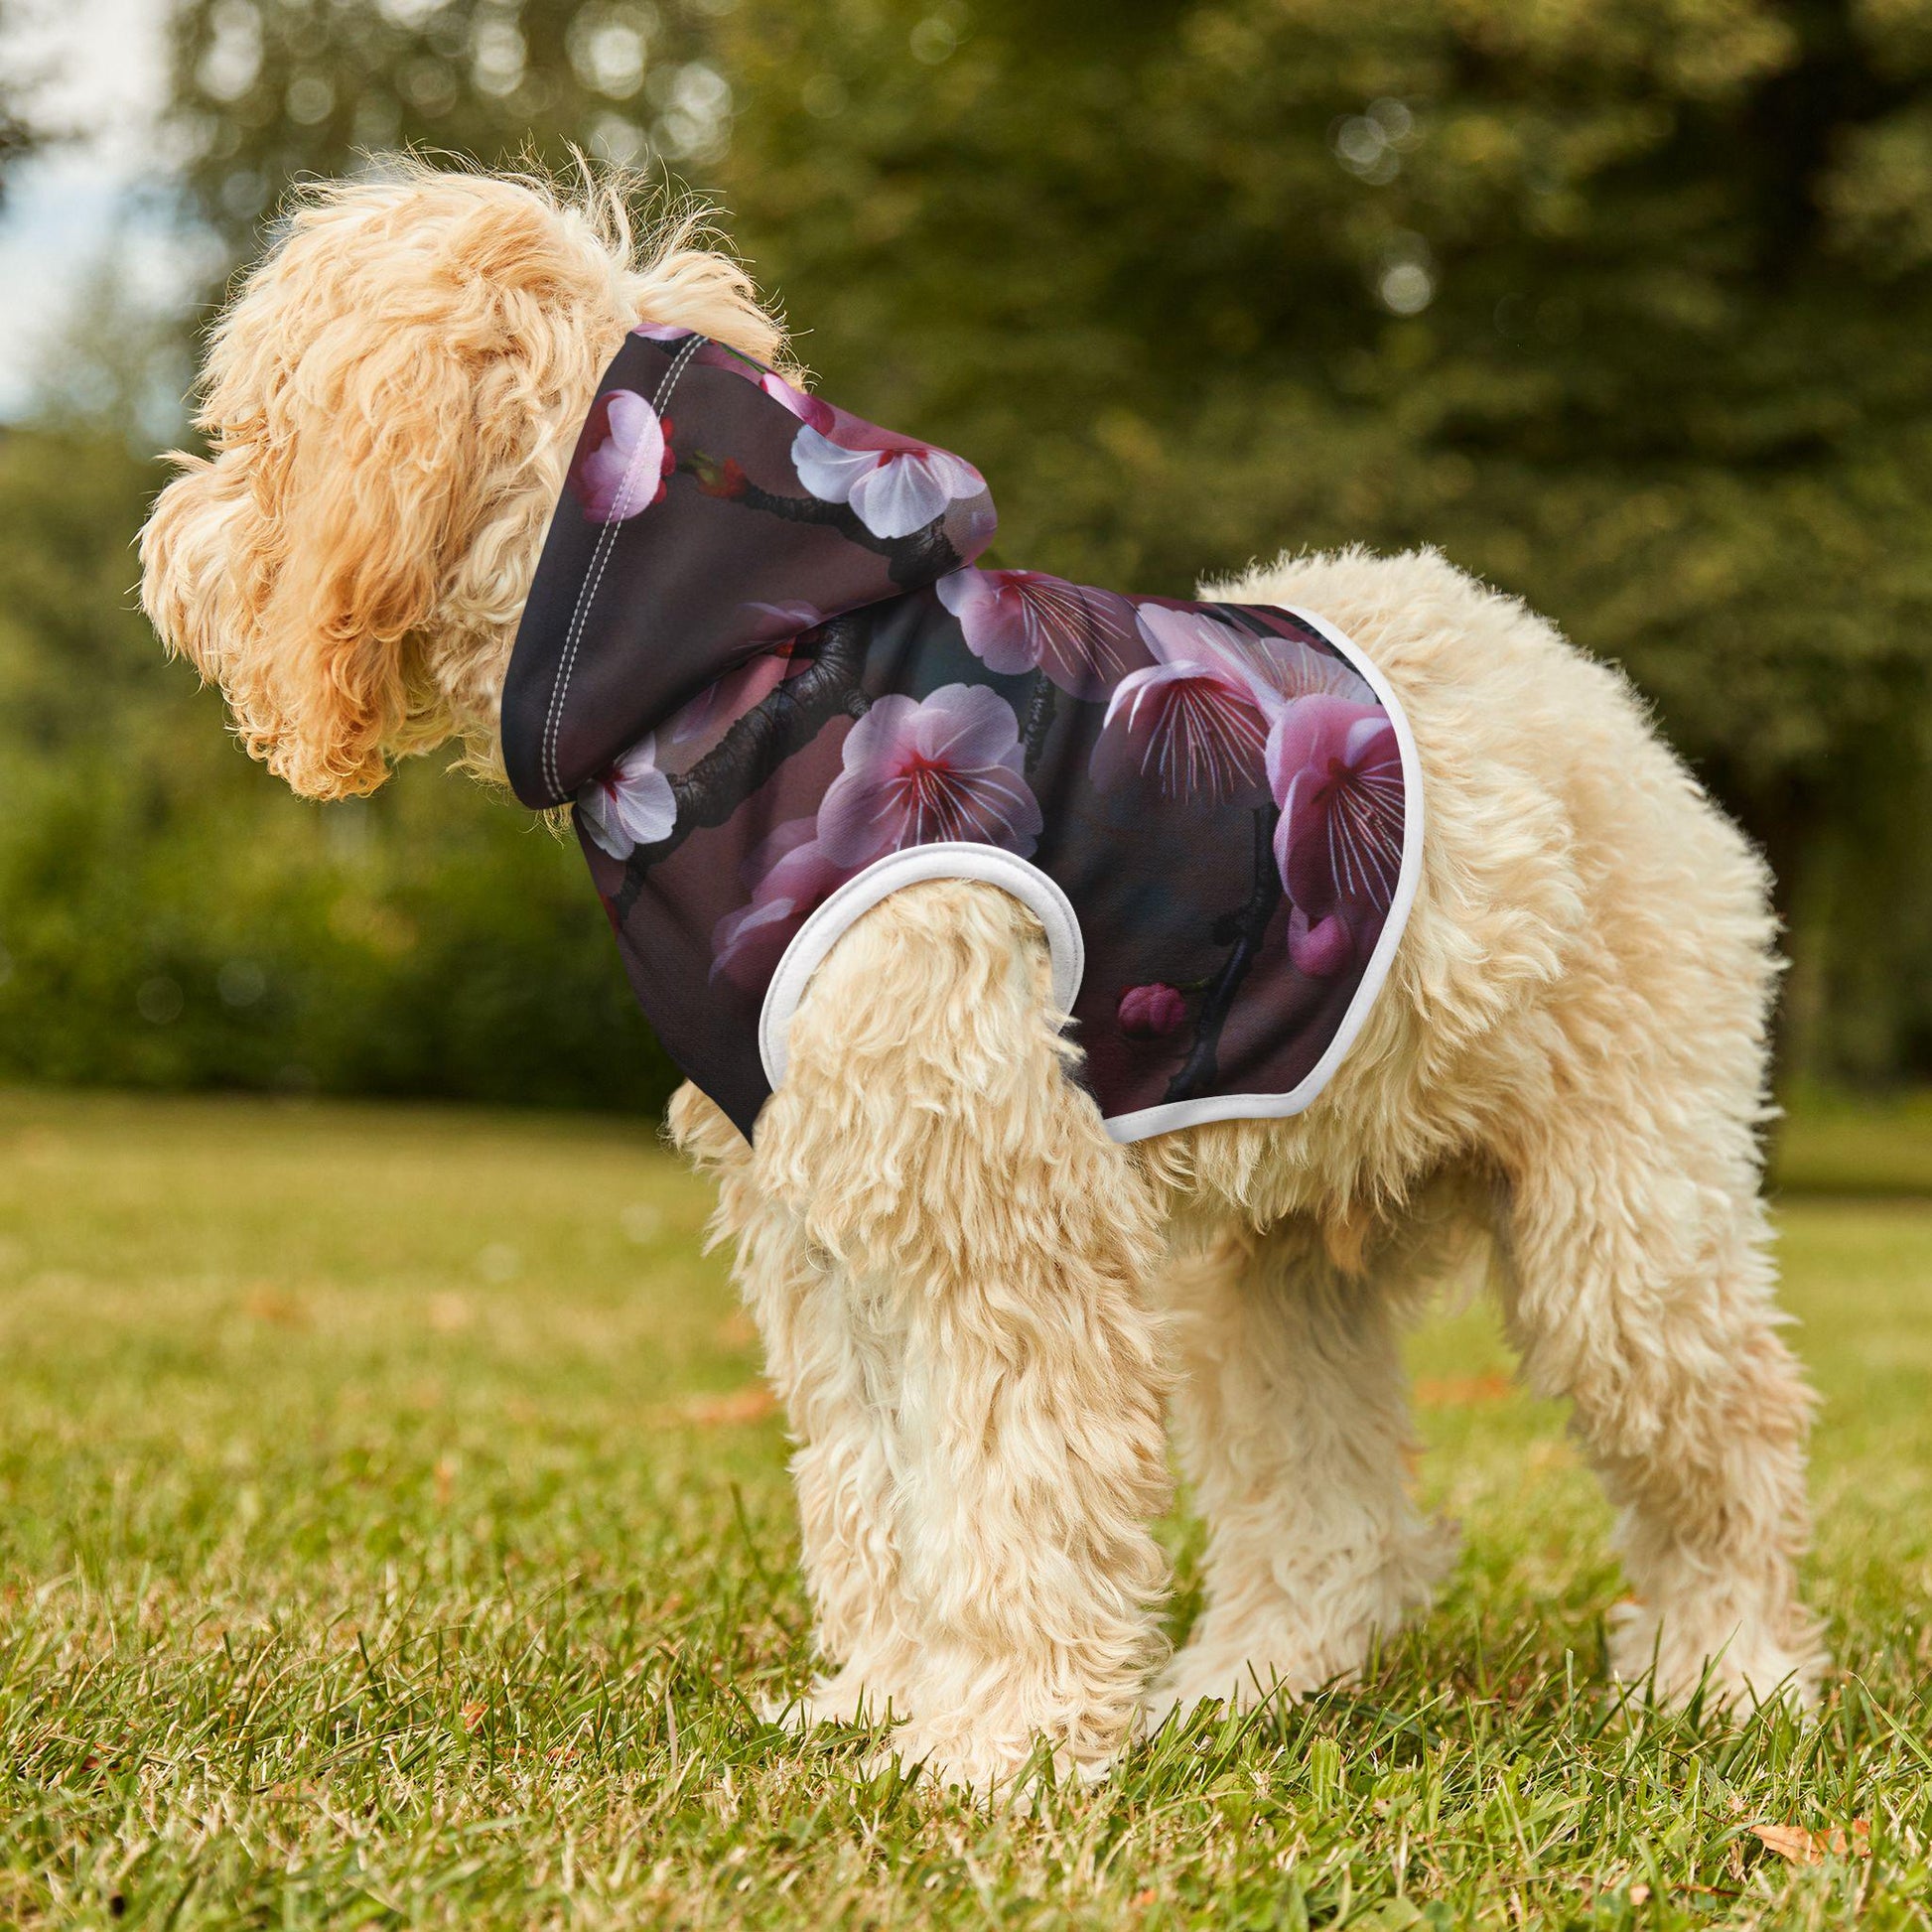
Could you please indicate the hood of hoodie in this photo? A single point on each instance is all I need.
(632, 617)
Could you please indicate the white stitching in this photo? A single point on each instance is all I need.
(606, 542)
(587, 593)
(606, 545)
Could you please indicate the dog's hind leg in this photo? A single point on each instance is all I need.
(996, 1243)
(1638, 1280)
(1641, 1289)
(1293, 1423)
(835, 1383)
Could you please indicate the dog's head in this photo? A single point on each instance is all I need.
(389, 404)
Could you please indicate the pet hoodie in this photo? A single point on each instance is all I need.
(761, 659)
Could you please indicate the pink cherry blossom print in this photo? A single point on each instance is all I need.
(974, 528)
(663, 332)
(790, 875)
(780, 623)
(1017, 621)
(1335, 770)
(1197, 720)
(949, 768)
(1286, 669)
(808, 409)
(895, 485)
(717, 707)
(1151, 1012)
(747, 945)
(630, 803)
(623, 459)
(760, 871)
(1323, 950)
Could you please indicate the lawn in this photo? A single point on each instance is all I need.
(392, 1531)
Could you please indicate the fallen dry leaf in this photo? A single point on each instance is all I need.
(473, 1715)
(1801, 1847)
(750, 1404)
(266, 1304)
(448, 1315)
(1464, 1391)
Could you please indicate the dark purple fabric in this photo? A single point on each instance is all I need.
(758, 656)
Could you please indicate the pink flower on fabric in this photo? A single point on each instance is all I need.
(1151, 1012)
(808, 409)
(1335, 770)
(1286, 669)
(630, 803)
(717, 707)
(895, 485)
(790, 875)
(663, 332)
(1320, 951)
(951, 767)
(1196, 720)
(623, 461)
(1018, 620)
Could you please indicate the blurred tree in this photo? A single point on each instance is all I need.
(1628, 308)
(17, 134)
(171, 917)
(268, 90)
(1624, 306)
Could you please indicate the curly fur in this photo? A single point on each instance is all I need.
(389, 404)
(975, 1306)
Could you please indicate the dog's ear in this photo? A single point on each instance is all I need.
(389, 404)
(296, 566)
(369, 401)
(187, 586)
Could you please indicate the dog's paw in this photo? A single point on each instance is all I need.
(1737, 1664)
(1310, 1631)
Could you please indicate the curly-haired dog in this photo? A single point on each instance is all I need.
(978, 1304)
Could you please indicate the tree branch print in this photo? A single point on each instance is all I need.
(1041, 704)
(784, 720)
(1201, 1069)
(911, 561)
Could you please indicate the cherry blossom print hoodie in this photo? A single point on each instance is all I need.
(763, 662)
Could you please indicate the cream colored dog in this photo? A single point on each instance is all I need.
(975, 1304)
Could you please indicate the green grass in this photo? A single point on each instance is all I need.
(380, 1544)
(1841, 1144)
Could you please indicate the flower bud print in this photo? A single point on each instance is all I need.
(1150, 1012)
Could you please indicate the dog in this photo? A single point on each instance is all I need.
(980, 1309)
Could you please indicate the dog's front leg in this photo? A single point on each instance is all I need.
(835, 1375)
(994, 1244)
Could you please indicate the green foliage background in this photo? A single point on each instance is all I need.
(1625, 306)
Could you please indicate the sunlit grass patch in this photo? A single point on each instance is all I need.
(391, 1530)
